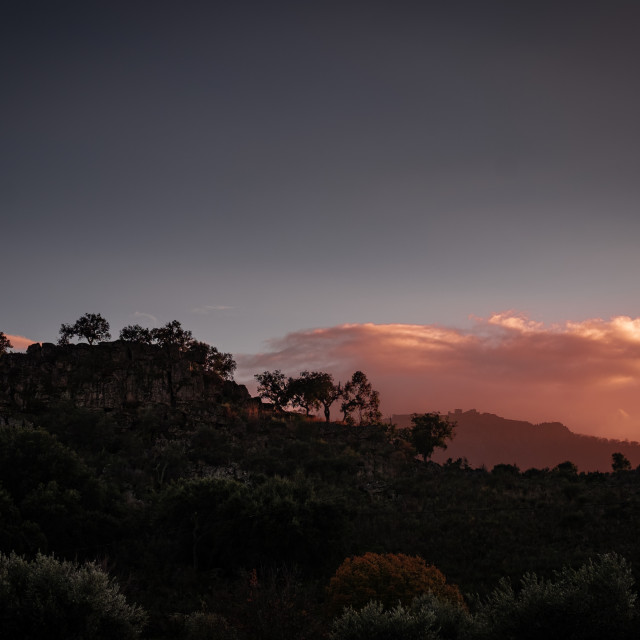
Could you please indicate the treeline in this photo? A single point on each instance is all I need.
(312, 390)
(93, 327)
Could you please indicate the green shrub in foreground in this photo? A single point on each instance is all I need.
(593, 602)
(427, 618)
(59, 600)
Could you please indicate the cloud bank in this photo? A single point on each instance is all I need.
(584, 374)
(20, 343)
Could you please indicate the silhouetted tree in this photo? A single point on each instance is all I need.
(567, 467)
(5, 344)
(328, 393)
(360, 398)
(273, 386)
(216, 361)
(136, 333)
(619, 462)
(172, 334)
(91, 327)
(302, 392)
(430, 431)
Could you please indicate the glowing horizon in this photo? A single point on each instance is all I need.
(583, 374)
(20, 343)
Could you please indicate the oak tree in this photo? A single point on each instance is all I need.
(430, 431)
(91, 327)
(359, 398)
(136, 333)
(274, 387)
(619, 462)
(172, 335)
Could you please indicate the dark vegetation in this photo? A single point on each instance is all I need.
(243, 524)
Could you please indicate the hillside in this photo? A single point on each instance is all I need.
(216, 514)
(487, 439)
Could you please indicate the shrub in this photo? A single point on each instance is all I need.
(593, 602)
(58, 600)
(374, 622)
(427, 618)
(201, 625)
(386, 578)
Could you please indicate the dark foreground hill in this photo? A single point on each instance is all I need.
(487, 439)
(223, 519)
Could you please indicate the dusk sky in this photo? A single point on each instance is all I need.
(443, 194)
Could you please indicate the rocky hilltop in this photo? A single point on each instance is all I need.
(116, 376)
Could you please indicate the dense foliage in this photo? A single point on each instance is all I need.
(265, 525)
(49, 599)
(386, 578)
(91, 327)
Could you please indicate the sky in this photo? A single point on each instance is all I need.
(340, 185)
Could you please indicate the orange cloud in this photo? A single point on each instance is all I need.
(584, 374)
(20, 343)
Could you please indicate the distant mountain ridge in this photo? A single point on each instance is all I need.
(487, 439)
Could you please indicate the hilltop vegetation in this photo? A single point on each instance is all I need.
(223, 518)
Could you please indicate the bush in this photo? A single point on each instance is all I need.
(590, 603)
(386, 578)
(427, 618)
(57, 600)
(374, 622)
(201, 625)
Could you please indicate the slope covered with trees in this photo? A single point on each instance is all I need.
(216, 517)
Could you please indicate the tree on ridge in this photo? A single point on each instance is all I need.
(359, 397)
(5, 343)
(430, 431)
(91, 327)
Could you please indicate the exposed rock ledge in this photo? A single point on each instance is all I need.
(119, 376)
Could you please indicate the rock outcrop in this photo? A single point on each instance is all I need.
(115, 376)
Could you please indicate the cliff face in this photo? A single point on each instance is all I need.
(118, 376)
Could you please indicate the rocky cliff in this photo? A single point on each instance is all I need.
(115, 376)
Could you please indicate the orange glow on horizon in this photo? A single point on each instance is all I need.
(583, 374)
(20, 343)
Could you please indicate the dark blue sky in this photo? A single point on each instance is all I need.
(255, 168)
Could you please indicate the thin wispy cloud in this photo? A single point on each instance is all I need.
(139, 315)
(584, 374)
(209, 308)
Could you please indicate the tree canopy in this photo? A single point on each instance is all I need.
(274, 387)
(312, 390)
(5, 343)
(387, 578)
(173, 335)
(430, 431)
(91, 327)
(619, 462)
(136, 333)
(360, 400)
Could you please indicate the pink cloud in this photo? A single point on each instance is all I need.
(20, 343)
(584, 374)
